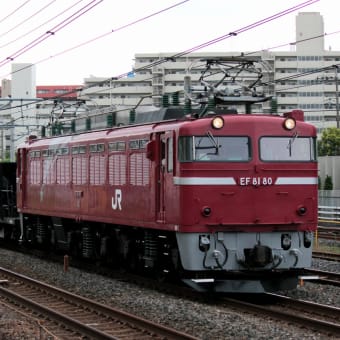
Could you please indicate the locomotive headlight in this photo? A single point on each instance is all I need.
(289, 123)
(307, 238)
(286, 241)
(217, 122)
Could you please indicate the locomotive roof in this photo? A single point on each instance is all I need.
(147, 128)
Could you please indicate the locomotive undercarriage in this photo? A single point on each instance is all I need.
(206, 262)
(137, 249)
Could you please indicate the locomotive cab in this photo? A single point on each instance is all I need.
(248, 184)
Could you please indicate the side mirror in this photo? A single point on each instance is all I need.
(151, 150)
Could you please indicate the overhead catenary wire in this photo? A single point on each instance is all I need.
(114, 30)
(265, 20)
(247, 28)
(51, 31)
(231, 34)
(28, 32)
(192, 49)
(14, 11)
(27, 19)
(103, 35)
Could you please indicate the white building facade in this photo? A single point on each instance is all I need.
(305, 78)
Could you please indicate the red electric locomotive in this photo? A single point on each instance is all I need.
(226, 201)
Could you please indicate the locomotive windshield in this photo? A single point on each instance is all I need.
(210, 148)
(287, 149)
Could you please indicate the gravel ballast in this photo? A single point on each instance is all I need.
(203, 320)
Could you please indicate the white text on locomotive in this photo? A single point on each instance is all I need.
(255, 181)
(117, 200)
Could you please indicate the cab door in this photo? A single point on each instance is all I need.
(21, 177)
(165, 185)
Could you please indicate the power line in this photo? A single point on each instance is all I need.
(114, 30)
(51, 32)
(103, 35)
(27, 19)
(14, 11)
(39, 26)
(195, 48)
(247, 28)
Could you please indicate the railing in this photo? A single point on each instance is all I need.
(329, 205)
(330, 213)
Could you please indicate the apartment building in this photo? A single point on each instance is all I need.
(306, 77)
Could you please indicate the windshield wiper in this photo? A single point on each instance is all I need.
(213, 141)
(290, 143)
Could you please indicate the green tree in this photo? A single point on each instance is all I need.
(328, 183)
(329, 145)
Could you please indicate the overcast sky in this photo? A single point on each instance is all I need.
(102, 40)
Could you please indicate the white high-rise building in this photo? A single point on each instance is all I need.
(17, 114)
(23, 103)
(305, 78)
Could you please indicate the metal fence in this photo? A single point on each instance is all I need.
(329, 205)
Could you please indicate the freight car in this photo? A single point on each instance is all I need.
(226, 201)
(9, 218)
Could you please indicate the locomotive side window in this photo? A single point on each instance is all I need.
(134, 144)
(211, 148)
(142, 143)
(97, 147)
(295, 149)
(170, 155)
(75, 150)
(116, 146)
(34, 154)
(62, 151)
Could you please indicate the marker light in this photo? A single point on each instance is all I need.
(289, 123)
(286, 241)
(307, 238)
(217, 122)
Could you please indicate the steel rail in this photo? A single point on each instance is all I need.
(133, 322)
(324, 277)
(326, 255)
(315, 323)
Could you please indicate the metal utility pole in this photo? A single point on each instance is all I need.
(336, 95)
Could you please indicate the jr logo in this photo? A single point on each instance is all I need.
(117, 200)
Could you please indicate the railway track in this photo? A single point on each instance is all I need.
(326, 255)
(324, 277)
(66, 315)
(329, 232)
(318, 317)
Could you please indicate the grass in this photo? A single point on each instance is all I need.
(327, 247)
